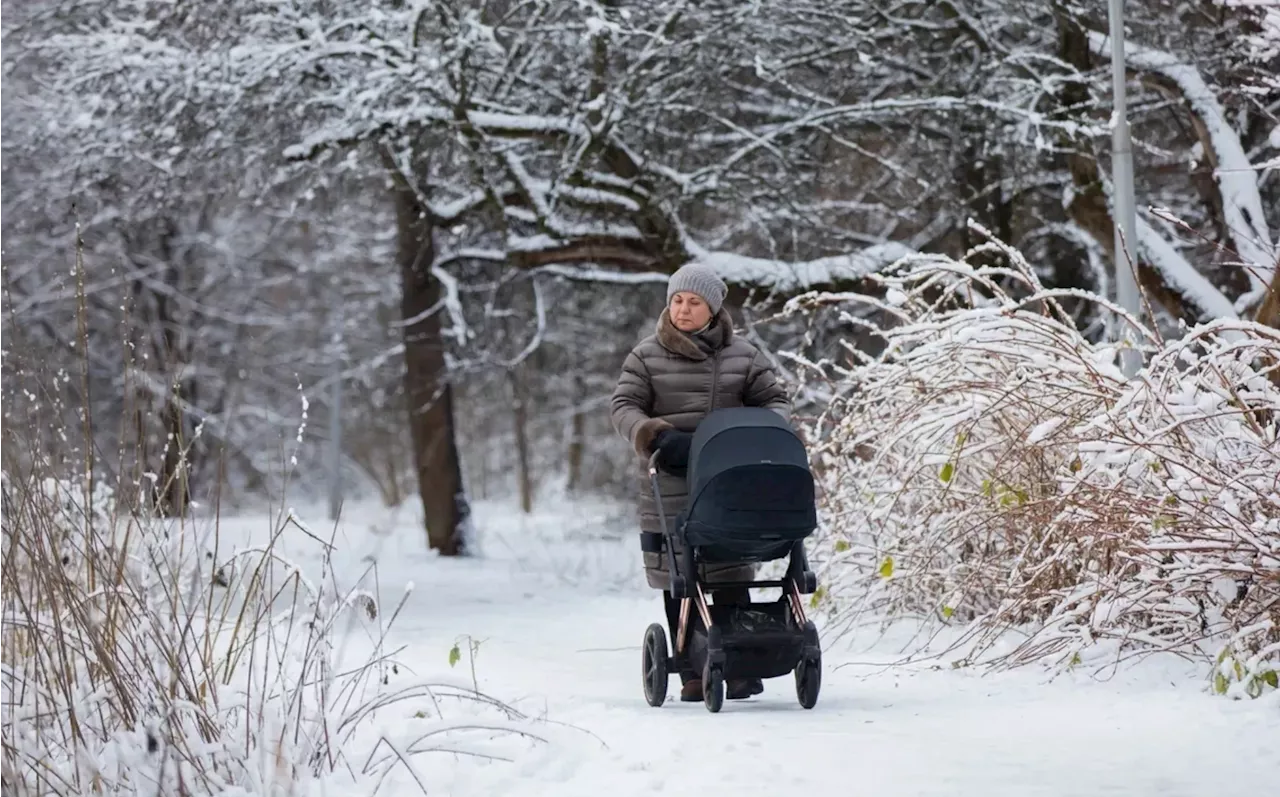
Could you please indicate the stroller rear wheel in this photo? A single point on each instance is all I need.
(653, 659)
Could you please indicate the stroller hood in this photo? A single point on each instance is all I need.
(750, 488)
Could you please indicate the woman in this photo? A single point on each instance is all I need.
(692, 364)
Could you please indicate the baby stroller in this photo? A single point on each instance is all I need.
(751, 499)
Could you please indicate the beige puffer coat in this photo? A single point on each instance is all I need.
(673, 379)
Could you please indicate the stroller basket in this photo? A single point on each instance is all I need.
(761, 640)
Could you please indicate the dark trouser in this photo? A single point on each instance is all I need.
(734, 596)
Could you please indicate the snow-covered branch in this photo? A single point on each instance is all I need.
(1236, 177)
(780, 277)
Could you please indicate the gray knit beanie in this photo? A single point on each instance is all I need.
(699, 279)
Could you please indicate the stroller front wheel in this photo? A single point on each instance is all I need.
(654, 665)
(809, 671)
(713, 688)
(808, 681)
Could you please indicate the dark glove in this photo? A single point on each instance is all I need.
(672, 447)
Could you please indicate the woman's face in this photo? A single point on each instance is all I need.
(689, 312)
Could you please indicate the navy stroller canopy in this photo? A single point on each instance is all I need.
(751, 492)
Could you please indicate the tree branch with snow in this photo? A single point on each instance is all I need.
(1234, 175)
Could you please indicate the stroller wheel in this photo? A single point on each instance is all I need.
(809, 681)
(654, 665)
(713, 688)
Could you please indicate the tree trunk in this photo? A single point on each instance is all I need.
(163, 326)
(577, 433)
(430, 396)
(520, 419)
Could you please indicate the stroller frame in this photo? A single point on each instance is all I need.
(798, 650)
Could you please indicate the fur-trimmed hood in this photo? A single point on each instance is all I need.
(698, 346)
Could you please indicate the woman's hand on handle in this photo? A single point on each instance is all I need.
(671, 450)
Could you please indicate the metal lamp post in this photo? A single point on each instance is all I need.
(1126, 223)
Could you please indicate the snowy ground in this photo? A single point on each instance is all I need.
(559, 609)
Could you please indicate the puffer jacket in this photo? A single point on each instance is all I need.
(672, 380)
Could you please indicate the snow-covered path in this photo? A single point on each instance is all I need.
(875, 732)
(560, 622)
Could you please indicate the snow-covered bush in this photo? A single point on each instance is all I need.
(994, 468)
(137, 662)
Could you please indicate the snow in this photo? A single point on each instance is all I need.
(557, 606)
(1044, 429)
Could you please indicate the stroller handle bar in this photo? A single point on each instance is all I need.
(678, 587)
(657, 492)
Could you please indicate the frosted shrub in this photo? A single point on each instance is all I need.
(993, 468)
(136, 663)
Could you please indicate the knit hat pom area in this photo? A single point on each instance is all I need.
(699, 279)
